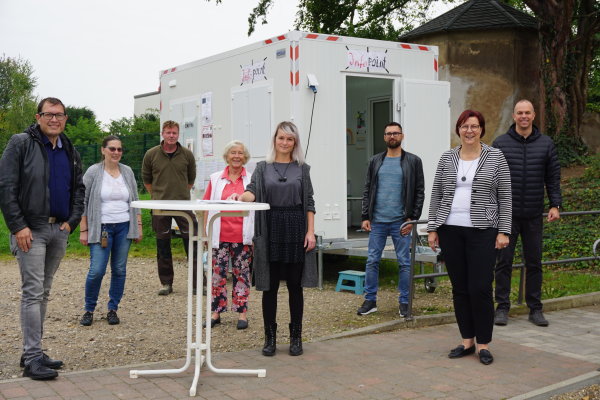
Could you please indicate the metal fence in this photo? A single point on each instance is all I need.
(135, 146)
(521, 266)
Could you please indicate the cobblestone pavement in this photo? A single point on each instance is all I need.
(403, 364)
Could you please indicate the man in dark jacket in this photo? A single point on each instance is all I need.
(394, 193)
(534, 166)
(41, 197)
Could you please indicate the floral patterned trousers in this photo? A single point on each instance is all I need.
(241, 256)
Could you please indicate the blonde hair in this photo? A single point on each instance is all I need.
(291, 129)
(234, 143)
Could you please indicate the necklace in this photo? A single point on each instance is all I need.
(282, 178)
(464, 174)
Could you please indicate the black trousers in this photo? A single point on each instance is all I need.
(162, 226)
(292, 273)
(470, 256)
(530, 230)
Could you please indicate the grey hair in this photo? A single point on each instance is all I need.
(234, 143)
(291, 129)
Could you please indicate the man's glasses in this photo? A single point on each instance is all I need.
(113, 149)
(48, 116)
(388, 134)
(466, 128)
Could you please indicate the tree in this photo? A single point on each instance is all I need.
(17, 102)
(569, 39)
(375, 19)
(75, 113)
(145, 123)
(85, 131)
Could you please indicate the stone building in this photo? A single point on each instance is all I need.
(490, 54)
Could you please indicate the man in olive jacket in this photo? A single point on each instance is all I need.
(533, 163)
(41, 196)
(169, 172)
(394, 193)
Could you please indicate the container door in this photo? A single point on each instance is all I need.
(251, 117)
(424, 111)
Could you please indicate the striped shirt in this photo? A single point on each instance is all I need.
(491, 199)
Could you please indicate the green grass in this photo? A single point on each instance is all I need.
(146, 248)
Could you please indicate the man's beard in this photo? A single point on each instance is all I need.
(394, 145)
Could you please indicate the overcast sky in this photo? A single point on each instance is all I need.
(99, 54)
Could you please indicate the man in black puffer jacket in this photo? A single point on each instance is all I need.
(533, 164)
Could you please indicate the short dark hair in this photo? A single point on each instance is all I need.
(52, 100)
(393, 124)
(465, 115)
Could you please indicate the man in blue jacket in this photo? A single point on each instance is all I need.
(534, 166)
(41, 197)
(394, 193)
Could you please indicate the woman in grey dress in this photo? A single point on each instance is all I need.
(284, 238)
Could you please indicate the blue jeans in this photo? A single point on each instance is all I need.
(37, 267)
(377, 239)
(117, 249)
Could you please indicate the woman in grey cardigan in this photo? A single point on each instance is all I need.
(108, 226)
(284, 236)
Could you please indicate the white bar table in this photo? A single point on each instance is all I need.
(194, 342)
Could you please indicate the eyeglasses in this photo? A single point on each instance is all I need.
(466, 128)
(113, 149)
(388, 134)
(48, 116)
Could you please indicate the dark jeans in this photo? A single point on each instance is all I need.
(292, 273)
(162, 226)
(470, 256)
(530, 230)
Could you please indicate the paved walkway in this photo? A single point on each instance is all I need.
(403, 364)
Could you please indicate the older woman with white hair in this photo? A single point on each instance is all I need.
(232, 237)
(284, 236)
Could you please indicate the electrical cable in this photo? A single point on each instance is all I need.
(312, 113)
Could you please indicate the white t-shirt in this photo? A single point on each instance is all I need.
(115, 199)
(460, 213)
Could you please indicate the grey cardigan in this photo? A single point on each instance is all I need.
(260, 262)
(93, 202)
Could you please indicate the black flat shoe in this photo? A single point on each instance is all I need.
(460, 351)
(213, 322)
(485, 357)
(242, 324)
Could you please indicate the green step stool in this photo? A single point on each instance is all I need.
(358, 277)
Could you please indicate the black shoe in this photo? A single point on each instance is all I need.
(403, 310)
(46, 362)
(112, 318)
(501, 317)
(460, 351)
(367, 307)
(242, 324)
(165, 290)
(537, 318)
(485, 357)
(270, 346)
(296, 339)
(87, 319)
(213, 322)
(38, 371)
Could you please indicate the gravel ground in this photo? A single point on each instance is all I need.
(153, 327)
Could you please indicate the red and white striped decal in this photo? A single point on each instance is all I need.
(329, 38)
(168, 71)
(294, 65)
(408, 46)
(275, 39)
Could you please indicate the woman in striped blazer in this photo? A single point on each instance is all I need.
(469, 219)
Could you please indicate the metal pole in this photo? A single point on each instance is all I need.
(320, 260)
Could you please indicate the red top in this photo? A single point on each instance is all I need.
(231, 227)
